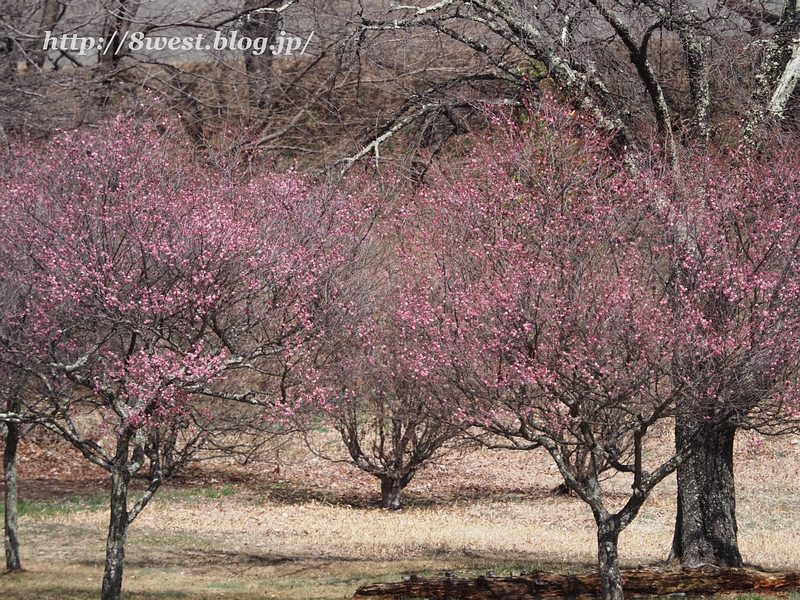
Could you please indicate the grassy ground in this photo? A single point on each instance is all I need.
(297, 528)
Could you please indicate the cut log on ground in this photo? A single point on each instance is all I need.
(542, 584)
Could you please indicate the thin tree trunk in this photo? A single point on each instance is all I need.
(608, 559)
(705, 526)
(123, 14)
(695, 52)
(647, 74)
(122, 469)
(260, 76)
(11, 491)
(118, 527)
(52, 11)
(391, 491)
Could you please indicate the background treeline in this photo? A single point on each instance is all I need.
(400, 80)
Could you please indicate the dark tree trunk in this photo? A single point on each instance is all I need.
(117, 530)
(259, 70)
(391, 490)
(52, 11)
(122, 469)
(123, 13)
(705, 527)
(695, 51)
(10, 481)
(608, 560)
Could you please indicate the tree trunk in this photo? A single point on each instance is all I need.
(117, 530)
(608, 559)
(259, 71)
(390, 493)
(647, 75)
(52, 11)
(705, 527)
(123, 13)
(695, 51)
(786, 84)
(10, 481)
(777, 55)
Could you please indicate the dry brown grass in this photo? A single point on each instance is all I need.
(310, 532)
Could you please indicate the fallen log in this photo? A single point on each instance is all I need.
(543, 584)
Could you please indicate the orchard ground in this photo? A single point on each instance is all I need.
(297, 527)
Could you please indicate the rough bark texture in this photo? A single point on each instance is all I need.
(391, 491)
(695, 52)
(541, 584)
(705, 527)
(786, 84)
(608, 560)
(777, 55)
(10, 480)
(117, 530)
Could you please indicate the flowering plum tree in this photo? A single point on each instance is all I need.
(132, 281)
(379, 396)
(112, 256)
(554, 314)
(731, 238)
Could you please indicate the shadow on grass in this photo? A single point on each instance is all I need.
(50, 495)
(212, 557)
(53, 593)
(290, 492)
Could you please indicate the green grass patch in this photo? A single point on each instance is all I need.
(59, 506)
(226, 585)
